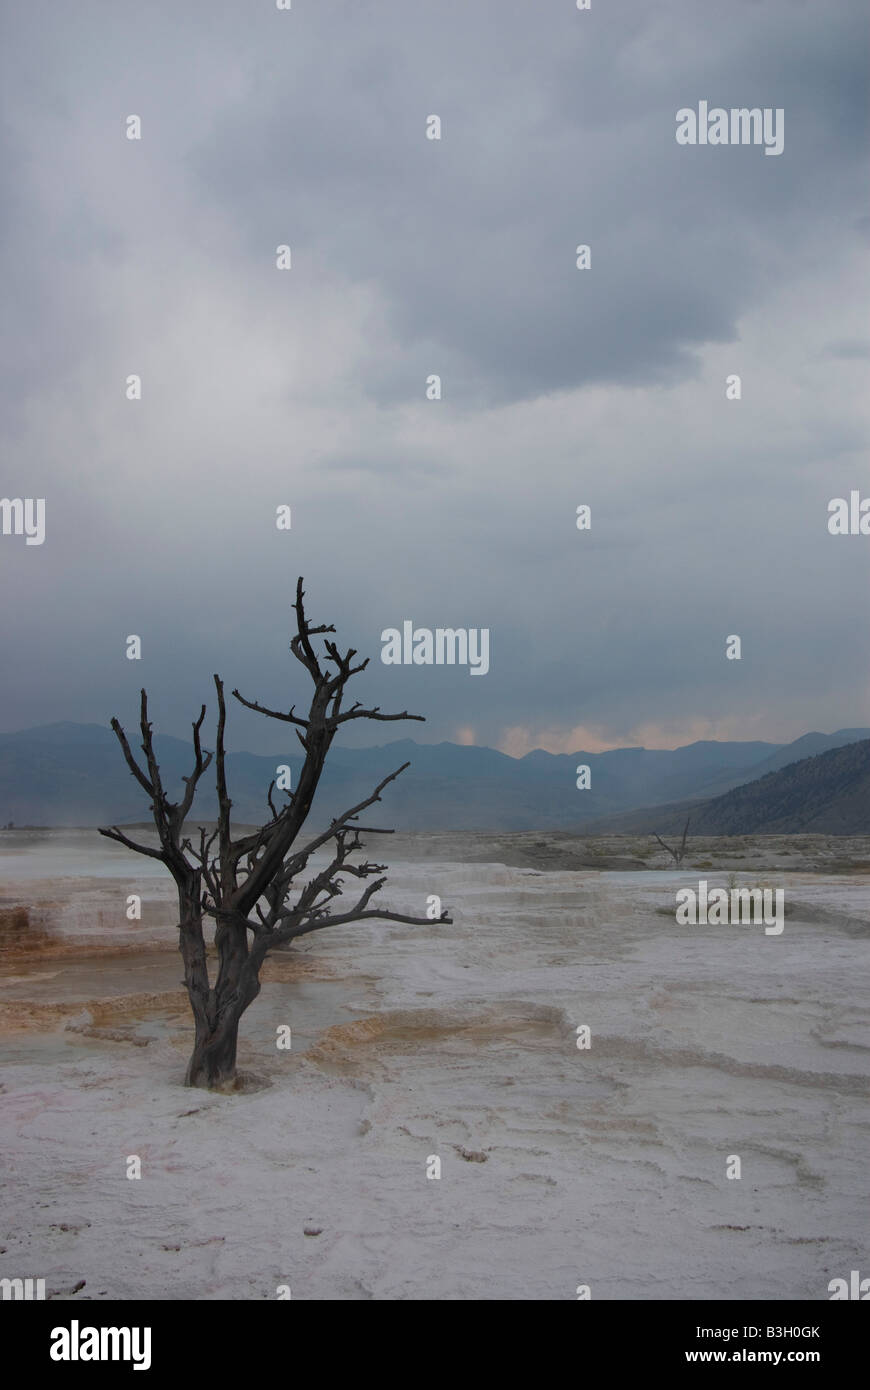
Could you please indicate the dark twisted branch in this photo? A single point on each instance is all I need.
(677, 855)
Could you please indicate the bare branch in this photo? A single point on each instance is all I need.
(685, 833)
(130, 760)
(292, 933)
(224, 803)
(300, 645)
(357, 712)
(113, 833)
(190, 782)
(160, 802)
(294, 865)
(676, 854)
(289, 718)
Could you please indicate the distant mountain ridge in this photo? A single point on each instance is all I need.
(74, 774)
(807, 746)
(827, 794)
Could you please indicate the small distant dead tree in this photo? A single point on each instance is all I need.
(250, 886)
(677, 854)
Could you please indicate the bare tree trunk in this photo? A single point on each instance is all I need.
(213, 1060)
(217, 1012)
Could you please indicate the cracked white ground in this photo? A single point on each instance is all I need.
(559, 1166)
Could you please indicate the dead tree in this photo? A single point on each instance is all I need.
(677, 854)
(253, 887)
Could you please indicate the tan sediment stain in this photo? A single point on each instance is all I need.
(23, 1015)
(20, 937)
(24, 939)
(403, 1029)
(49, 1000)
(338, 1043)
(286, 967)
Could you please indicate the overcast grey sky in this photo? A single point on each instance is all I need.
(412, 257)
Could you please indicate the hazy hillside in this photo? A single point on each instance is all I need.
(807, 746)
(826, 794)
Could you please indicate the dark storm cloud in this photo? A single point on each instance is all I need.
(456, 257)
(558, 129)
